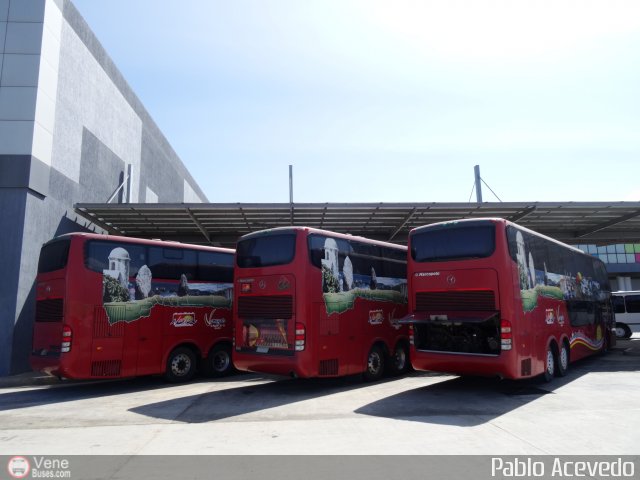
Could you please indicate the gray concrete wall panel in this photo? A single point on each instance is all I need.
(26, 11)
(23, 38)
(4, 10)
(17, 103)
(13, 202)
(101, 170)
(88, 98)
(20, 70)
(3, 34)
(24, 171)
(156, 173)
(16, 137)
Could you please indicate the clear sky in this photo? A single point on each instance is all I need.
(390, 101)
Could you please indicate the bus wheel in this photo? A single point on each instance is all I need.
(563, 361)
(181, 365)
(622, 330)
(399, 363)
(218, 362)
(375, 364)
(549, 365)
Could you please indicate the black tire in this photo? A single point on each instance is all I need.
(562, 365)
(623, 330)
(218, 363)
(399, 362)
(181, 365)
(374, 368)
(549, 364)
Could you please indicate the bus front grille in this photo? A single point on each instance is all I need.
(49, 310)
(267, 307)
(456, 300)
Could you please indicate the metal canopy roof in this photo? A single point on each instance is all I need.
(223, 223)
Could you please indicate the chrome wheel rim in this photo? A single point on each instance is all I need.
(400, 358)
(550, 363)
(221, 361)
(564, 358)
(180, 365)
(374, 363)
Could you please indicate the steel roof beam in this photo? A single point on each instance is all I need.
(199, 225)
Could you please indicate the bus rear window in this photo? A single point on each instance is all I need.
(453, 243)
(266, 250)
(53, 256)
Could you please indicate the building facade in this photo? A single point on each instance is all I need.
(70, 130)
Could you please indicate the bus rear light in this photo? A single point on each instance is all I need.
(505, 335)
(65, 346)
(411, 337)
(505, 329)
(300, 337)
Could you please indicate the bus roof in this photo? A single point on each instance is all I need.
(328, 233)
(142, 241)
(504, 222)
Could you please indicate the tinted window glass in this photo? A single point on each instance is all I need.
(618, 304)
(351, 264)
(215, 267)
(633, 303)
(581, 312)
(455, 242)
(266, 250)
(101, 256)
(53, 256)
(172, 263)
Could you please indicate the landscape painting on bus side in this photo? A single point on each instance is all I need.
(560, 279)
(348, 274)
(127, 297)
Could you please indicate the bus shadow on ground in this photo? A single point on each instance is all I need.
(70, 391)
(234, 402)
(472, 401)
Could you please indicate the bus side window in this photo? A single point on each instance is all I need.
(581, 312)
(618, 304)
(215, 267)
(633, 303)
(172, 263)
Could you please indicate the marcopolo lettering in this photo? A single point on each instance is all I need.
(427, 274)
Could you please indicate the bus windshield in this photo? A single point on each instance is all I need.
(453, 242)
(266, 250)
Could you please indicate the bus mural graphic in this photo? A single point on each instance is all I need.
(127, 298)
(342, 286)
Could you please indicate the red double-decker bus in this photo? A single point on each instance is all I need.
(488, 297)
(313, 303)
(111, 307)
